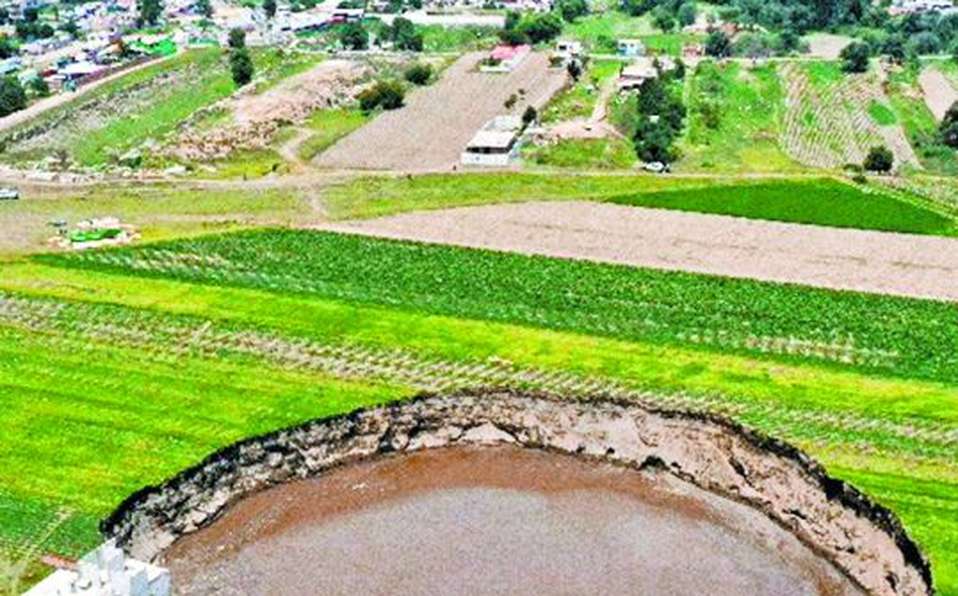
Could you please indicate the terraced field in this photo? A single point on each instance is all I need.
(827, 122)
(154, 356)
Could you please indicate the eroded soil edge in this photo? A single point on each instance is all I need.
(861, 538)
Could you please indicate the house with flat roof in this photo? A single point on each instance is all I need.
(495, 144)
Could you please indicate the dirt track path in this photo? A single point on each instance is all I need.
(938, 91)
(877, 262)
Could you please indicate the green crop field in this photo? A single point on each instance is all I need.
(150, 357)
(329, 126)
(735, 120)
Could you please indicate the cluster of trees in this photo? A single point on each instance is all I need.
(404, 35)
(666, 14)
(241, 65)
(531, 28)
(353, 36)
(12, 96)
(661, 115)
(149, 12)
(418, 74)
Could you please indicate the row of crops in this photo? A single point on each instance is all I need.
(904, 337)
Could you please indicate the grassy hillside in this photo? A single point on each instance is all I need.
(734, 120)
(152, 357)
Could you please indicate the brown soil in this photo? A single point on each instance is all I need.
(432, 129)
(880, 262)
(492, 521)
(938, 91)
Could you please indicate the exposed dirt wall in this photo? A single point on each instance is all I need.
(862, 539)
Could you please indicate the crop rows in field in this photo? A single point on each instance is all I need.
(878, 333)
(828, 125)
(171, 337)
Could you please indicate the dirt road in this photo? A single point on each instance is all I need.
(878, 262)
(432, 129)
(939, 93)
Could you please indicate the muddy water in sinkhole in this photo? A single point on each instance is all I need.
(495, 521)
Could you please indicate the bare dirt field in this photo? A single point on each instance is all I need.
(938, 91)
(827, 46)
(878, 262)
(432, 129)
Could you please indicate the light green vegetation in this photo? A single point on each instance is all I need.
(919, 123)
(589, 154)
(881, 114)
(436, 38)
(328, 126)
(818, 201)
(823, 73)
(822, 202)
(600, 31)
(148, 104)
(245, 164)
(865, 383)
(734, 120)
(157, 211)
(579, 100)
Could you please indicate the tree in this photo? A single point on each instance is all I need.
(404, 35)
(204, 7)
(653, 141)
(354, 36)
(7, 49)
(855, 57)
(149, 11)
(12, 96)
(39, 87)
(269, 7)
(718, 45)
(879, 159)
(513, 37)
(949, 126)
(574, 69)
(387, 95)
(241, 66)
(663, 19)
(894, 47)
(529, 116)
(572, 9)
(541, 27)
(418, 74)
(237, 38)
(687, 13)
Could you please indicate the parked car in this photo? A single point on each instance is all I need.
(656, 167)
(8, 193)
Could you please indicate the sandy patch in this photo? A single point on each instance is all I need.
(878, 262)
(826, 46)
(432, 129)
(938, 91)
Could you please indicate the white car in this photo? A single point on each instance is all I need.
(656, 167)
(9, 194)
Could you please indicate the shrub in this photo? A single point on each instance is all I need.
(354, 36)
(686, 13)
(949, 126)
(540, 28)
(241, 67)
(237, 38)
(855, 57)
(12, 96)
(418, 74)
(404, 35)
(879, 159)
(39, 87)
(388, 95)
(718, 45)
(572, 9)
(529, 116)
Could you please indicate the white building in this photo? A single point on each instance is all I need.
(630, 47)
(106, 571)
(496, 143)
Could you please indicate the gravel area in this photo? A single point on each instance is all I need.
(879, 262)
(432, 129)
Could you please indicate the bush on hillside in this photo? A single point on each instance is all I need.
(879, 159)
(718, 45)
(855, 57)
(949, 126)
(237, 38)
(388, 95)
(12, 96)
(418, 74)
(241, 67)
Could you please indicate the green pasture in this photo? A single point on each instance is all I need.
(588, 154)
(327, 127)
(864, 383)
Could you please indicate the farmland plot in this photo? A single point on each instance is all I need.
(432, 129)
(827, 121)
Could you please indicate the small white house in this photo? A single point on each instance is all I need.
(106, 571)
(495, 144)
(641, 70)
(630, 47)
